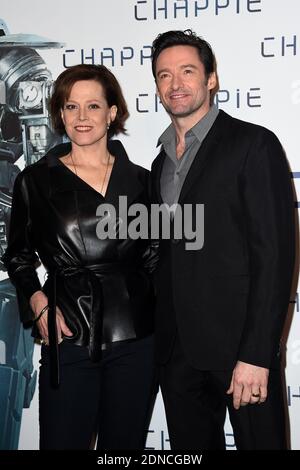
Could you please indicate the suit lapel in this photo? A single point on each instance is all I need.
(156, 175)
(206, 152)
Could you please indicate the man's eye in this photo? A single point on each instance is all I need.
(188, 71)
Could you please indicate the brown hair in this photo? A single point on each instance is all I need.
(111, 88)
(184, 38)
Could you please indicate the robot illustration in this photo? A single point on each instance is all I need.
(25, 136)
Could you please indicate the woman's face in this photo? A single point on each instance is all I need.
(86, 113)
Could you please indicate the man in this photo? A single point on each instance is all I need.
(221, 308)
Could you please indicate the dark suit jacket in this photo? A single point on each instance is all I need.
(230, 298)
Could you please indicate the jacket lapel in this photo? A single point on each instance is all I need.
(206, 152)
(123, 179)
(61, 178)
(156, 175)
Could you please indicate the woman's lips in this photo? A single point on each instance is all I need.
(83, 128)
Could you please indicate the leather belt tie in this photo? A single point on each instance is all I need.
(96, 317)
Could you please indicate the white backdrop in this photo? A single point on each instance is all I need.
(257, 45)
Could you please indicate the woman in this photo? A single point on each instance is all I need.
(94, 313)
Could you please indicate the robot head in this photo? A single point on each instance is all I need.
(25, 88)
(25, 126)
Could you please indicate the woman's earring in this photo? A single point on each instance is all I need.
(108, 126)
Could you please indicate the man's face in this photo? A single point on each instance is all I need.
(181, 83)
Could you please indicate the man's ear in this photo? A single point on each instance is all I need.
(212, 81)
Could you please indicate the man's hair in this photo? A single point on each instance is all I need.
(184, 38)
(111, 88)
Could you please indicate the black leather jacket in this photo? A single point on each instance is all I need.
(103, 287)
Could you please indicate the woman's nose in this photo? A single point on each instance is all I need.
(82, 114)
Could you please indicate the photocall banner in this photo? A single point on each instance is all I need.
(257, 46)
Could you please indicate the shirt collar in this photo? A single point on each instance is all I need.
(199, 130)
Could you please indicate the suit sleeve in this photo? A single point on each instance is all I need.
(20, 258)
(269, 222)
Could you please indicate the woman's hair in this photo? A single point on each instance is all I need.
(112, 92)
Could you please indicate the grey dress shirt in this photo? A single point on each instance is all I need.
(174, 170)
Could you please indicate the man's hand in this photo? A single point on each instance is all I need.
(248, 384)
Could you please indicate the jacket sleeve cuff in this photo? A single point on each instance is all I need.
(25, 289)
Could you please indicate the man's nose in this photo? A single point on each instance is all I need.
(176, 81)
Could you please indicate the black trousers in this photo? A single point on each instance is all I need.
(195, 403)
(112, 399)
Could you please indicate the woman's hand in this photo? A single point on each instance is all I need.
(37, 302)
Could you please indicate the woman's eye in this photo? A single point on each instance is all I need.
(94, 106)
(70, 107)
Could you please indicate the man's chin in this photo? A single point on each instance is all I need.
(180, 113)
(183, 112)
